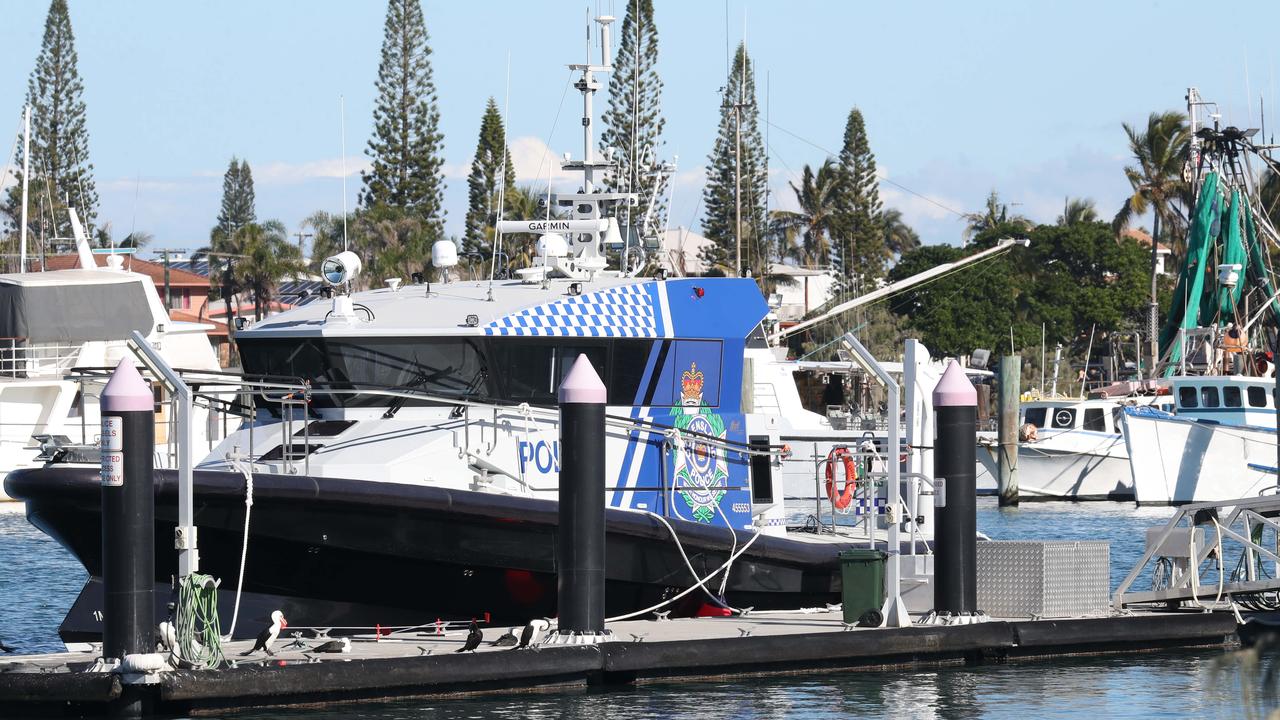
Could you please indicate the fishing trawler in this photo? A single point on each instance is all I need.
(1220, 441)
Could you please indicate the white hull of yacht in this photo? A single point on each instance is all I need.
(1074, 465)
(1175, 460)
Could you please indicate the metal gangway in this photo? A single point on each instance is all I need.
(1211, 553)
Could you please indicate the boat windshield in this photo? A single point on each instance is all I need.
(452, 367)
(636, 371)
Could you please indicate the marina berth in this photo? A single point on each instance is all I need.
(399, 454)
(1077, 451)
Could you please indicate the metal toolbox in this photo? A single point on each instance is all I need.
(1053, 578)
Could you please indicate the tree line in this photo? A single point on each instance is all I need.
(1070, 280)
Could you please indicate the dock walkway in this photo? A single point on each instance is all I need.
(426, 664)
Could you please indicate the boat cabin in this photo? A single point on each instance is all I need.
(1100, 415)
(1230, 400)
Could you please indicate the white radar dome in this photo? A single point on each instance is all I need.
(553, 245)
(444, 254)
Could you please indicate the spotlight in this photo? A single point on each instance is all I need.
(473, 320)
(575, 288)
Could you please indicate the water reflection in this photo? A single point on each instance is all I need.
(1178, 684)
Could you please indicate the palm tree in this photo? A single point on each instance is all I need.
(818, 197)
(266, 256)
(1076, 211)
(899, 238)
(1161, 151)
(993, 214)
(1158, 186)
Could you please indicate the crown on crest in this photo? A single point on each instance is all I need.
(691, 383)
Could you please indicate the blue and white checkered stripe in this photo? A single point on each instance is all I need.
(626, 311)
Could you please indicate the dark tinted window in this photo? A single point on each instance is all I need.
(451, 367)
(1095, 419)
(1064, 417)
(1035, 416)
(1187, 397)
(1257, 396)
(1231, 396)
(513, 369)
(1209, 396)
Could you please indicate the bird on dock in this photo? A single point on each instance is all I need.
(341, 645)
(532, 632)
(508, 639)
(474, 638)
(268, 636)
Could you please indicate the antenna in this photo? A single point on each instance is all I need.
(502, 180)
(342, 114)
(26, 173)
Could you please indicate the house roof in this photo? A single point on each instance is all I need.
(1143, 238)
(153, 270)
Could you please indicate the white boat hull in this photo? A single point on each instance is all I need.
(1075, 465)
(1180, 460)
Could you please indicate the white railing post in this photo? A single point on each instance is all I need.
(185, 534)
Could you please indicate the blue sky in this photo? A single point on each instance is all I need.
(959, 98)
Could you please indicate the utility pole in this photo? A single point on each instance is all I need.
(168, 291)
(302, 237)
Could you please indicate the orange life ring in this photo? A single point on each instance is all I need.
(843, 498)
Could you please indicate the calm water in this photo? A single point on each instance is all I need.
(38, 582)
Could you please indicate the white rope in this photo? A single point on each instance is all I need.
(700, 584)
(246, 470)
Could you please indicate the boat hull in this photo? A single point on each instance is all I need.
(334, 552)
(1095, 469)
(1176, 460)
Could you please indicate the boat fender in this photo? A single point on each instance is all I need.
(843, 498)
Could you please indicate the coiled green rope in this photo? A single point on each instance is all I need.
(197, 625)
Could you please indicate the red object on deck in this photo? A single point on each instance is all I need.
(709, 610)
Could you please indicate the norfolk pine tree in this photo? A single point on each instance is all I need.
(633, 122)
(60, 166)
(405, 171)
(485, 180)
(237, 208)
(860, 251)
(718, 221)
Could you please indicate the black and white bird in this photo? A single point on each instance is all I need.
(5, 648)
(341, 645)
(508, 639)
(268, 636)
(474, 638)
(532, 632)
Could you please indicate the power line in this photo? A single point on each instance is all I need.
(880, 175)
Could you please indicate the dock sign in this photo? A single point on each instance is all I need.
(112, 452)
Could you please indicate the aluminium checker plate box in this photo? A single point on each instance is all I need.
(1050, 579)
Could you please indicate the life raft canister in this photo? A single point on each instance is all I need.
(843, 498)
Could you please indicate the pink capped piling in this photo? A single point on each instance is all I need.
(583, 384)
(954, 389)
(126, 391)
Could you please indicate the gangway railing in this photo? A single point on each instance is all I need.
(1211, 551)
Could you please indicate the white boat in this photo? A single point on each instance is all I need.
(54, 322)
(1219, 444)
(1079, 452)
